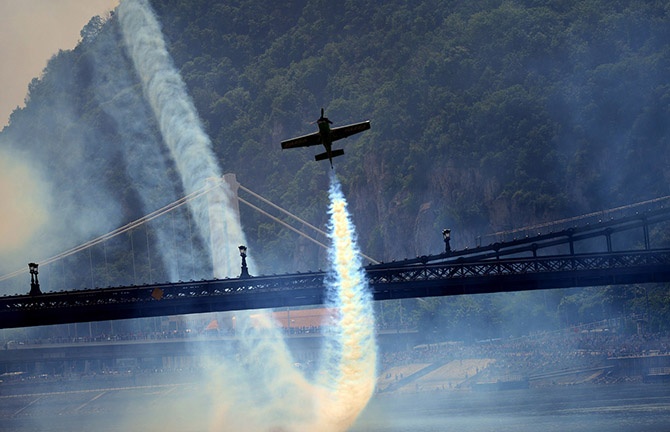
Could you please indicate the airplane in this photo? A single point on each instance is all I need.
(326, 136)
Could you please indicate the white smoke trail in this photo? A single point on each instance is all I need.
(260, 389)
(351, 353)
(180, 126)
(145, 160)
(263, 391)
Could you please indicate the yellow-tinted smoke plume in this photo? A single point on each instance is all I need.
(261, 390)
(351, 383)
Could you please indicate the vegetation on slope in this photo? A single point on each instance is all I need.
(485, 116)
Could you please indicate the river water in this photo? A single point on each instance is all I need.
(593, 408)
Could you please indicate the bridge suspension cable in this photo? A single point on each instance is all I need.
(533, 228)
(176, 204)
(249, 191)
(286, 212)
(208, 188)
(125, 228)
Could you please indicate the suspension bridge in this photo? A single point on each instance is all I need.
(574, 252)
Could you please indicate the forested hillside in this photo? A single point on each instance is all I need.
(485, 116)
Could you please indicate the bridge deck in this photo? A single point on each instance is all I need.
(402, 280)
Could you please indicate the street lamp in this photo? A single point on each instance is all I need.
(34, 283)
(446, 235)
(243, 254)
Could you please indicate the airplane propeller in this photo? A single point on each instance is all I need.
(322, 118)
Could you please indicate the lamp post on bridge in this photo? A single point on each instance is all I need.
(34, 283)
(446, 235)
(245, 269)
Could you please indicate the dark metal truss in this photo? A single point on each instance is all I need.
(402, 280)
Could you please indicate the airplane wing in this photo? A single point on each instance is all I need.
(345, 131)
(303, 141)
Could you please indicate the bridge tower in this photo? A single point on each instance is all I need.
(223, 197)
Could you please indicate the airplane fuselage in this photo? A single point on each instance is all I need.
(326, 139)
(324, 130)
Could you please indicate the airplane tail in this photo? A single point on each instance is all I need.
(334, 153)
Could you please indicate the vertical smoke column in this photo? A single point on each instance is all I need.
(257, 389)
(179, 124)
(350, 354)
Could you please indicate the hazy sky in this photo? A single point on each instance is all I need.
(31, 31)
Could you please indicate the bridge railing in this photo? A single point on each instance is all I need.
(411, 281)
(292, 283)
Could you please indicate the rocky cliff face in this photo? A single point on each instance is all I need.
(405, 223)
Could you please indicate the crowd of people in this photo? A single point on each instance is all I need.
(148, 336)
(532, 355)
(538, 353)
